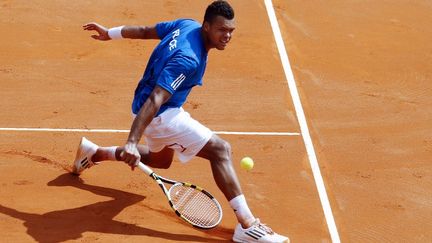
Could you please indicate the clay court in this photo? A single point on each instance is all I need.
(363, 74)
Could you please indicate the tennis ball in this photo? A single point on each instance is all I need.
(247, 163)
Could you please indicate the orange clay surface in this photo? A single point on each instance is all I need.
(363, 70)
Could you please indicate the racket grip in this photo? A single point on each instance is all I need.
(142, 166)
(145, 168)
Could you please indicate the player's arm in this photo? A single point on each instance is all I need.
(131, 32)
(146, 114)
(139, 32)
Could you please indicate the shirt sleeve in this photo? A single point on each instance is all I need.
(177, 72)
(164, 28)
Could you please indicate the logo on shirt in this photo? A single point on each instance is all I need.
(178, 81)
(173, 42)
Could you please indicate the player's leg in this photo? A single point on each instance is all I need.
(89, 154)
(249, 229)
(218, 152)
(161, 159)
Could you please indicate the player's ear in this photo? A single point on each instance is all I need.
(206, 26)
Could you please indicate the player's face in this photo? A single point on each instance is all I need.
(219, 32)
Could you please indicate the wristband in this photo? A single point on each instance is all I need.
(115, 33)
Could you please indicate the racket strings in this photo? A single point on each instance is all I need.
(195, 206)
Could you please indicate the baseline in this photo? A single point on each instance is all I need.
(16, 129)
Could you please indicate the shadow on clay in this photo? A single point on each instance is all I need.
(70, 224)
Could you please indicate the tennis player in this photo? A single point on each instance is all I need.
(176, 65)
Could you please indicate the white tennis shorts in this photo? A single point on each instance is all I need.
(176, 129)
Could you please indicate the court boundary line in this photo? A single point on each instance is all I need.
(313, 160)
(88, 130)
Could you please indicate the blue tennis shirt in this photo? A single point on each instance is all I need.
(177, 64)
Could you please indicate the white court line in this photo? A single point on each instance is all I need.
(16, 129)
(303, 124)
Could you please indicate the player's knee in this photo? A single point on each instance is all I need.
(223, 150)
(216, 150)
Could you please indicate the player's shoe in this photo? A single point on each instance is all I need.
(84, 153)
(259, 233)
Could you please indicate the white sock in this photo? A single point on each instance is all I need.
(241, 209)
(111, 153)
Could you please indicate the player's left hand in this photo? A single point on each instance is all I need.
(102, 31)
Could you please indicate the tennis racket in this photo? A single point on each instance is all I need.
(190, 202)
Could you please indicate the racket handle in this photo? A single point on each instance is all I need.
(142, 166)
(145, 168)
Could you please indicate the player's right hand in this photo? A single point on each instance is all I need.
(101, 30)
(130, 155)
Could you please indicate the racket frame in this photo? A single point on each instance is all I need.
(161, 180)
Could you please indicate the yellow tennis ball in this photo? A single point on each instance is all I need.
(247, 163)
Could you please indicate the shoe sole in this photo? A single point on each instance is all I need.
(78, 154)
(245, 241)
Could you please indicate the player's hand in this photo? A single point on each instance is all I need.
(131, 155)
(101, 30)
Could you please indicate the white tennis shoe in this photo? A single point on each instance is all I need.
(84, 153)
(259, 233)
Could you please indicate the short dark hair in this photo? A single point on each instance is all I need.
(218, 8)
